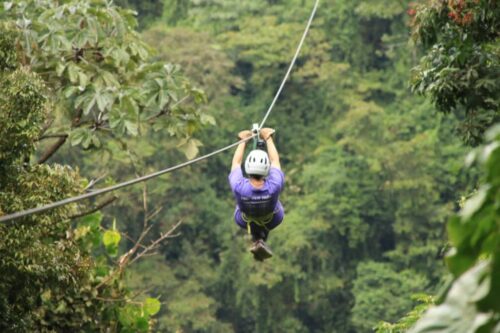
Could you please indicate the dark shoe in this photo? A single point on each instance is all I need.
(260, 250)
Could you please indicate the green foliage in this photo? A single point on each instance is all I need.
(186, 306)
(101, 72)
(8, 54)
(199, 55)
(147, 11)
(22, 112)
(372, 173)
(378, 285)
(405, 323)
(111, 240)
(49, 280)
(472, 304)
(136, 317)
(151, 306)
(45, 276)
(371, 176)
(460, 70)
(218, 15)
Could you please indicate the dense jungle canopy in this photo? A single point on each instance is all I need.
(388, 132)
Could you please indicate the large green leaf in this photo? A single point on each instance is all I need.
(474, 203)
(459, 313)
(151, 306)
(190, 147)
(111, 240)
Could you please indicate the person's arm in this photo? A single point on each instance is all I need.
(273, 153)
(266, 134)
(240, 150)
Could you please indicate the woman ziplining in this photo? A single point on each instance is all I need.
(258, 208)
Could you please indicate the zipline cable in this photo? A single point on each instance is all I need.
(306, 30)
(63, 202)
(115, 187)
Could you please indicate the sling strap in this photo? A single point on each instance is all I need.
(261, 221)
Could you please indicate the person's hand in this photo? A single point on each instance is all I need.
(266, 133)
(244, 134)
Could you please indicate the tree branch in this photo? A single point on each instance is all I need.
(78, 117)
(130, 239)
(133, 254)
(145, 201)
(156, 212)
(50, 136)
(51, 151)
(155, 243)
(124, 260)
(96, 208)
(166, 109)
(94, 181)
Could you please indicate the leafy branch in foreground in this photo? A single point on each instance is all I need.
(405, 323)
(103, 77)
(55, 276)
(472, 304)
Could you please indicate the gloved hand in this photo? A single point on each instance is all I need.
(244, 134)
(266, 133)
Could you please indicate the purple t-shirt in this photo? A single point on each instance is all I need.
(257, 201)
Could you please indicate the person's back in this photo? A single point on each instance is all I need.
(257, 201)
(258, 207)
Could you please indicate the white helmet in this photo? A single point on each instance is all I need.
(257, 163)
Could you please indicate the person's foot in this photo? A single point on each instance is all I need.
(260, 250)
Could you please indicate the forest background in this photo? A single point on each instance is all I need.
(373, 171)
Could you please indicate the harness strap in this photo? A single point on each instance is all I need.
(261, 221)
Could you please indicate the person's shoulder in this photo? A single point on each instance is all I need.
(236, 172)
(276, 170)
(275, 179)
(235, 178)
(244, 187)
(238, 181)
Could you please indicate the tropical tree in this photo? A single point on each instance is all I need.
(459, 73)
(460, 70)
(49, 280)
(76, 70)
(471, 302)
(102, 76)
